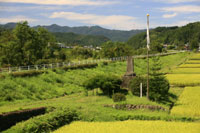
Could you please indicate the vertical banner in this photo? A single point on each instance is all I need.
(148, 38)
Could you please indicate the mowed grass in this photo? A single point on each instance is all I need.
(188, 103)
(184, 79)
(130, 127)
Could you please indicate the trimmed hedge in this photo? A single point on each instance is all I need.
(45, 123)
(27, 73)
(11, 118)
(81, 66)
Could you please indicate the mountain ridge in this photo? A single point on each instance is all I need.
(114, 35)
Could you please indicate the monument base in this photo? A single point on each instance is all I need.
(126, 79)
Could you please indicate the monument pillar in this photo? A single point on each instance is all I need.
(129, 72)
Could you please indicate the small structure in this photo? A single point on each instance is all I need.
(129, 73)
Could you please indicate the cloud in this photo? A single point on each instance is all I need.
(63, 2)
(112, 21)
(22, 9)
(175, 1)
(169, 15)
(17, 19)
(182, 9)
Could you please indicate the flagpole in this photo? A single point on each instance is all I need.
(148, 42)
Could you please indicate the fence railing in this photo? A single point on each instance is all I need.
(65, 64)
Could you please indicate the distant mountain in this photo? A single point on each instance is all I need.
(72, 38)
(8, 25)
(114, 35)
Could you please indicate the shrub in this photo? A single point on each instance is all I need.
(27, 73)
(81, 66)
(117, 97)
(135, 85)
(46, 123)
(108, 84)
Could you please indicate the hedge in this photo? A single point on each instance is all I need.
(27, 73)
(46, 123)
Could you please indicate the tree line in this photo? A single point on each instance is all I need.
(174, 37)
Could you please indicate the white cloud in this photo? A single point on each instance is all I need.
(63, 2)
(16, 19)
(20, 9)
(169, 15)
(113, 21)
(175, 1)
(182, 9)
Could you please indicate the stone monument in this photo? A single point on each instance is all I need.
(129, 72)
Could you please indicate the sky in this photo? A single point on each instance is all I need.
(110, 14)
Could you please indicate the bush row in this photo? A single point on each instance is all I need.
(80, 66)
(27, 73)
(9, 119)
(147, 117)
(45, 123)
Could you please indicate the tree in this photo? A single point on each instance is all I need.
(108, 84)
(158, 84)
(194, 44)
(115, 49)
(25, 45)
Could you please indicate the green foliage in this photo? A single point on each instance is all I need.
(118, 97)
(26, 73)
(115, 49)
(25, 46)
(135, 85)
(47, 122)
(79, 39)
(177, 36)
(194, 44)
(80, 66)
(81, 53)
(158, 84)
(108, 84)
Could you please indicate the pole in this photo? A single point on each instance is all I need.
(147, 74)
(140, 90)
(148, 42)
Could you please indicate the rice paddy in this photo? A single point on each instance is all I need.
(131, 127)
(188, 103)
(184, 79)
(190, 66)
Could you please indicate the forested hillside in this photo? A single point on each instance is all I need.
(78, 39)
(174, 36)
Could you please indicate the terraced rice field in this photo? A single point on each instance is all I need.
(188, 103)
(131, 127)
(184, 79)
(186, 71)
(188, 75)
(190, 66)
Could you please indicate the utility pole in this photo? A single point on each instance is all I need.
(148, 48)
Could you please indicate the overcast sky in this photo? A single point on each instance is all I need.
(111, 14)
